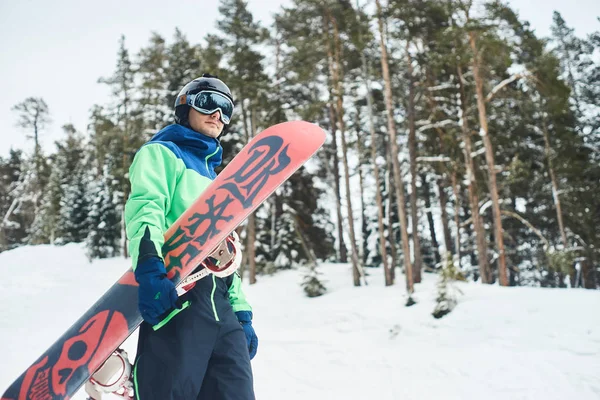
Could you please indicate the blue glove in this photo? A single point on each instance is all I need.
(156, 295)
(245, 318)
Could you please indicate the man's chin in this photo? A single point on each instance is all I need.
(210, 133)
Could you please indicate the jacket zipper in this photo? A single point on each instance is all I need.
(208, 157)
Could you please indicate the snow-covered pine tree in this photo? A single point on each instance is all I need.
(68, 157)
(571, 52)
(103, 221)
(447, 297)
(20, 199)
(74, 208)
(590, 96)
(127, 133)
(33, 118)
(153, 71)
(12, 224)
(45, 222)
(311, 282)
(183, 60)
(581, 69)
(312, 285)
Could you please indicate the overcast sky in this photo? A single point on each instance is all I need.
(58, 49)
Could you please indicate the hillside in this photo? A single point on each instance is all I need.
(352, 343)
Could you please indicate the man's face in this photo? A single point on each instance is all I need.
(210, 125)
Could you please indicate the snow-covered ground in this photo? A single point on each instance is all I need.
(352, 343)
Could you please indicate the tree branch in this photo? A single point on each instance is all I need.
(528, 224)
(502, 84)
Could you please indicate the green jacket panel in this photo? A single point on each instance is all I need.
(162, 188)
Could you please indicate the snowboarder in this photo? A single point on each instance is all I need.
(199, 345)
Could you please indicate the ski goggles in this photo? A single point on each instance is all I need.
(208, 102)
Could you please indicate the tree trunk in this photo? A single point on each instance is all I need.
(471, 248)
(343, 254)
(399, 186)
(246, 254)
(363, 217)
(444, 215)
(387, 271)
(457, 251)
(430, 221)
(336, 68)
(588, 274)
(489, 157)
(125, 166)
(555, 193)
(273, 222)
(274, 199)
(36, 155)
(390, 215)
(482, 256)
(251, 248)
(412, 150)
(310, 254)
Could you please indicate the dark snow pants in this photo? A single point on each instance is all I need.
(199, 354)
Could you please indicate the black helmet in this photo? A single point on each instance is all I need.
(205, 82)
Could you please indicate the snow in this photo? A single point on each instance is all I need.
(502, 84)
(351, 343)
(521, 205)
(434, 159)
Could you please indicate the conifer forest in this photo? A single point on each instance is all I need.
(459, 142)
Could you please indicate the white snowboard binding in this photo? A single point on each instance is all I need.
(114, 377)
(222, 262)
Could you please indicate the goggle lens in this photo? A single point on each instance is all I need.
(208, 102)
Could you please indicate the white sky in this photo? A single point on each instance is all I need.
(58, 49)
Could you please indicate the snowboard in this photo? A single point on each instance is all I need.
(258, 170)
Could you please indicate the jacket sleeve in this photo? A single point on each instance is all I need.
(153, 176)
(237, 298)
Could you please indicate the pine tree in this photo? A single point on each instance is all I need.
(43, 227)
(20, 202)
(69, 157)
(184, 65)
(103, 220)
(13, 221)
(311, 283)
(128, 132)
(154, 95)
(103, 139)
(74, 208)
(447, 291)
(590, 93)
(33, 117)
(570, 51)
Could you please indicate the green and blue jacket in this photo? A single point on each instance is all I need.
(167, 175)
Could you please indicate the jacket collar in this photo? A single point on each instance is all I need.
(188, 140)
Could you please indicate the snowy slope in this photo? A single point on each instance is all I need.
(352, 343)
